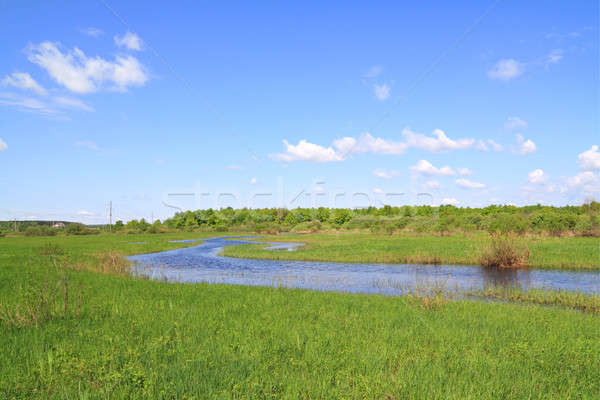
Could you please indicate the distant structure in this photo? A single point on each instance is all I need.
(58, 225)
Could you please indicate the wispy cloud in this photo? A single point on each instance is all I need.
(23, 80)
(384, 173)
(467, 184)
(513, 123)
(382, 92)
(94, 32)
(374, 71)
(82, 74)
(53, 107)
(88, 144)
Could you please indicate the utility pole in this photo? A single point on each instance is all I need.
(110, 218)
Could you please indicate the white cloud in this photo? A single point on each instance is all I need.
(426, 168)
(48, 106)
(450, 200)
(467, 184)
(236, 167)
(585, 183)
(306, 151)
(85, 213)
(525, 146)
(438, 144)
(537, 176)
(589, 160)
(365, 143)
(3, 145)
(253, 181)
(383, 173)
(82, 74)
(87, 144)
(70, 102)
(495, 146)
(368, 144)
(432, 185)
(94, 32)
(554, 56)
(378, 191)
(382, 92)
(129, 40)
(465, 171)
(515, 123)
(374, 71)
(506, 69)
(23, 80)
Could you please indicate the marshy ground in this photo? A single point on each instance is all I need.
(101, 333)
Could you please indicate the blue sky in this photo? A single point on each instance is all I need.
(305, 104)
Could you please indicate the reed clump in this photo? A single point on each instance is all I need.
(505, 250)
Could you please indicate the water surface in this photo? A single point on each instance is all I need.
(204, 264)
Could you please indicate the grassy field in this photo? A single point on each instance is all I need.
(122, 337)
(546, 252)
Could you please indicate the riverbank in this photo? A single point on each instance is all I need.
(124, 337)
(573, 253)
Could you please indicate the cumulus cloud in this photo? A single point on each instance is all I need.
(525, 146)
(382, 92)
(3, 145)
(585, 183)
(253, 181)
(439, 143)
(515, 123)
(383, 173)
(537, 176)
(378, 191)
(23, 80)
(426, 168)
(506, 69)
(465, 171)
(306, 151)
(129, 40)
(450, 201)
(467, 184)
(589, 160)
(366, 143)
(82, 74)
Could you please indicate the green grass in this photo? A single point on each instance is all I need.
(580, 253)
(136, 338)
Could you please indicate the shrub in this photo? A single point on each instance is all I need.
(505, 251)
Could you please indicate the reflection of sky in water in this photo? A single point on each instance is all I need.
(202, 264)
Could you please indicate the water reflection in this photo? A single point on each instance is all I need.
(203, 264)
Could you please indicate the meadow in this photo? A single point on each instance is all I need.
(101, 333)
(577, 253)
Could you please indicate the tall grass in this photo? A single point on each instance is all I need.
(505, 250)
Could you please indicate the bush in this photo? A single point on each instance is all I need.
(505, 251)
(79, 229)
(40, 231)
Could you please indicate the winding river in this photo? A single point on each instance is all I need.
(203, 263)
